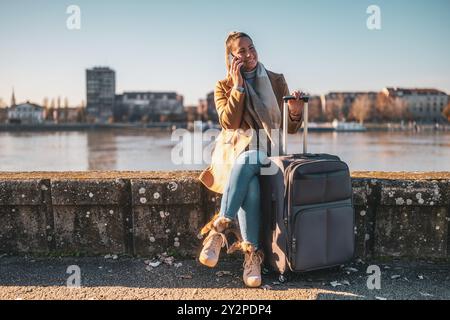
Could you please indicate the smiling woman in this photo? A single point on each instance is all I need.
(249, 99)
(241, 49)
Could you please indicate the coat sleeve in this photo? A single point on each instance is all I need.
(293, 125)
(229, 110)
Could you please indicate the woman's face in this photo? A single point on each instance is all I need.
(244, 49)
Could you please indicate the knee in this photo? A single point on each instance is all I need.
(252, 157)
(246, 156)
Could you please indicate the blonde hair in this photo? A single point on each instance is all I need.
(234, 35)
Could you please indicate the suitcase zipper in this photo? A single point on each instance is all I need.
(294, 248)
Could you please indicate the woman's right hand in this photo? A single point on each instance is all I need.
(236, 75)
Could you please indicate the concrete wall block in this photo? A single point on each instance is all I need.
(444, 187)
(413, 193)
(362, 190)
(160, 229)
(364, 225)
(414, 231)
(23, 229)
(211, 203)
(406, 218)
(161, 191)
(21, 192)
(89, 229)
(87, 192)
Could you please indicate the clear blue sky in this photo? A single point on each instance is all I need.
(319, 45)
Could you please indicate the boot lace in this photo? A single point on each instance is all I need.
(252, 262)
(216, 238)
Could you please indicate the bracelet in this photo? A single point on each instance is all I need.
(240, 89)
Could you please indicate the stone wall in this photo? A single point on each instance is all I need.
(144, 213)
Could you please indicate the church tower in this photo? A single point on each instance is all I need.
(13, 98)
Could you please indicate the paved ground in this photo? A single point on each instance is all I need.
(132, 278)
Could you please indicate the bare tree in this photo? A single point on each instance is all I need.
(333, 108)
(49, 110)
(381, 107)
(66, 109)
(2, 103)
(360, 109)
(315, 109)
(45, 102)
(446, 112)
(391, 109)
(400, 110)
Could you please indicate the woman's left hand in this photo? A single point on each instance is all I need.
(296, 106)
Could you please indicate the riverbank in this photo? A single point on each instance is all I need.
(163, 126)
(170, 126)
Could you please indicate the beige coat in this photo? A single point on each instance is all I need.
(230, 143)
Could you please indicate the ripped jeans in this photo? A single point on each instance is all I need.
(241, 195)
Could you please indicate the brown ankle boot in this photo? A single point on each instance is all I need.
(252, 265)
(209, 256)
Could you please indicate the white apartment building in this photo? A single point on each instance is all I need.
(423, 104)
(26, 113)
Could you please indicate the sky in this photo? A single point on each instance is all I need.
(170, 45)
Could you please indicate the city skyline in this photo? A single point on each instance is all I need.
(155, 46)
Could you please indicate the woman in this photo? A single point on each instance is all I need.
(249, 98)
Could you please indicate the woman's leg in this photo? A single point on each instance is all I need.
(242, 190)
(249, 214)
(242, 198)
(242, 193)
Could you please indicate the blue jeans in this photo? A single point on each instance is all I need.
(241, 196)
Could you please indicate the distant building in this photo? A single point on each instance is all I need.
(26, 113)
(65, 115)
(13, 98)
(191, 113)
(202, 110)
(100, 93)
(423, 104)
(211, 107)
(344, 101)
(315, 109)
(207, 108)
(3, 115)
(149, 106)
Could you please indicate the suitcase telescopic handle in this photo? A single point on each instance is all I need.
(285, 122)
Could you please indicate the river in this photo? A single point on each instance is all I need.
(141, 149)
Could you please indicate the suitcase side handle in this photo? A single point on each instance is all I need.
(285, 121)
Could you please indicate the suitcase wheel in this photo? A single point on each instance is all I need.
(282, 278)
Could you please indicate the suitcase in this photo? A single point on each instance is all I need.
(307, 207)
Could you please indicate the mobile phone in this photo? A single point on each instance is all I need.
(230, 58)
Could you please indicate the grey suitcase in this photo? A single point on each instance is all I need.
(307, 207)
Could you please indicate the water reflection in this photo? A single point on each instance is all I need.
(141, 149)
(102, 150)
